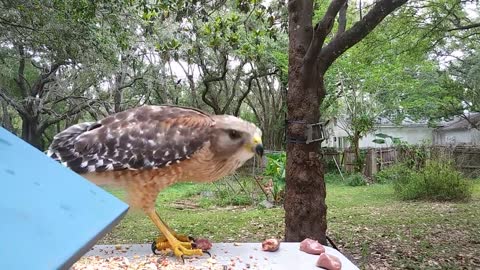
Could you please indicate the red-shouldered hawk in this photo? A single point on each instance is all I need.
(145, 149)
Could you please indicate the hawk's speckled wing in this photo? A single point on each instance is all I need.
(141, 138)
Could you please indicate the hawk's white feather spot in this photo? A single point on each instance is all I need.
(187, 157)
(166, 153)
(109, 166)
(177, 161)
(184, 149)
(91, 168)
(100, 162)
(129, 145)
(84, 164)
(151, 142)
(168, 163)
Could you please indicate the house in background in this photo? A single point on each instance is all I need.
(455, 132)
(458, 131)
(408, 131)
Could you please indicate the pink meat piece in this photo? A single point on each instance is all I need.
(271, 244)
(329, 262)
(311, 246)
(203, 244)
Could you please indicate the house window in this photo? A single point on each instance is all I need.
(343, 142)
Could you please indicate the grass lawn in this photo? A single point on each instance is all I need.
(369, 223)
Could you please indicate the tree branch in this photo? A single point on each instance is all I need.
(234, 86)
(467, 118)
(207, 82)
(342, 19)
(9, 23)
(12, 103)
(321, 30)
(132, 82)
(357, 32)
(465, 27)
(45, 78)
(20, 80)
(64, 116)
(249, 88)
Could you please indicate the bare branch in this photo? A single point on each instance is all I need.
(464, 27)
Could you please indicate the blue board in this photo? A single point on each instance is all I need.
(49, 215)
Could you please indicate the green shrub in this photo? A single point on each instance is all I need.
(437, 181)
(393, 173)
(275, 169)
(355, 180)
(333, 178)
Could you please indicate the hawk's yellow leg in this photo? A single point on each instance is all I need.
(180, 237)
(179, 248)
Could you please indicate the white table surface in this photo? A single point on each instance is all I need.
(244, 254)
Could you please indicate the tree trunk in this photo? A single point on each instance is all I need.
(356, 148)
(31, 133)
(305, 208)
(6, 119)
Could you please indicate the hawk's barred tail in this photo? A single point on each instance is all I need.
(65, 140)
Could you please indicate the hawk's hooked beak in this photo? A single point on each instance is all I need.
(257, 145)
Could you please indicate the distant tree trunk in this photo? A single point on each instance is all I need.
(6, 119)
(31, 132)
(309, 59)
(356, 149)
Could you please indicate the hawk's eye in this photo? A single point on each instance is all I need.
(233, 134)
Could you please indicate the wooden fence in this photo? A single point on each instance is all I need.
(465, 157)
(375, 160)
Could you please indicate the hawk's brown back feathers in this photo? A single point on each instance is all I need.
(147, 137)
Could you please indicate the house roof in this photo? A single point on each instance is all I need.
(460, 123)
(407, 122)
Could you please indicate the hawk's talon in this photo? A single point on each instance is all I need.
(154, 248)
(179, 250)
(204, 251)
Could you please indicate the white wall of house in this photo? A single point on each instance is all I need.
(457, 136)
(414, 135)
(420, 134)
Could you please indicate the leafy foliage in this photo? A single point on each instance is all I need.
(276, 170)
(437, 181)
(355, 180)
(393, 174)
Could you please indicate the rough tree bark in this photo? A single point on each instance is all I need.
(309, 59)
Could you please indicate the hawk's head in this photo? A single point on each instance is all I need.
(234, 137)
